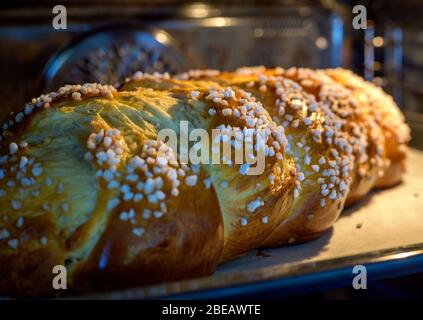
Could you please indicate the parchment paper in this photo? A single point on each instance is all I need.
(384, 219)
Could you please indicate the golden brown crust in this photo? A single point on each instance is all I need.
(364, 135)
(120, 259)
(322, 166)
(388, 119)
(375, 127)
(350, 114)
(86, 183)
(142, 206)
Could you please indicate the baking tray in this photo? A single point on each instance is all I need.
(384, 232)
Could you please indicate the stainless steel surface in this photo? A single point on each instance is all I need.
(278, 277)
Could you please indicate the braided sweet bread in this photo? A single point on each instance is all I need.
(87, 182)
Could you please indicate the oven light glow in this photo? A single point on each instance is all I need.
(404, 255)
(378, 42)
(162, 37)
(198, 10)
(220, 22)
